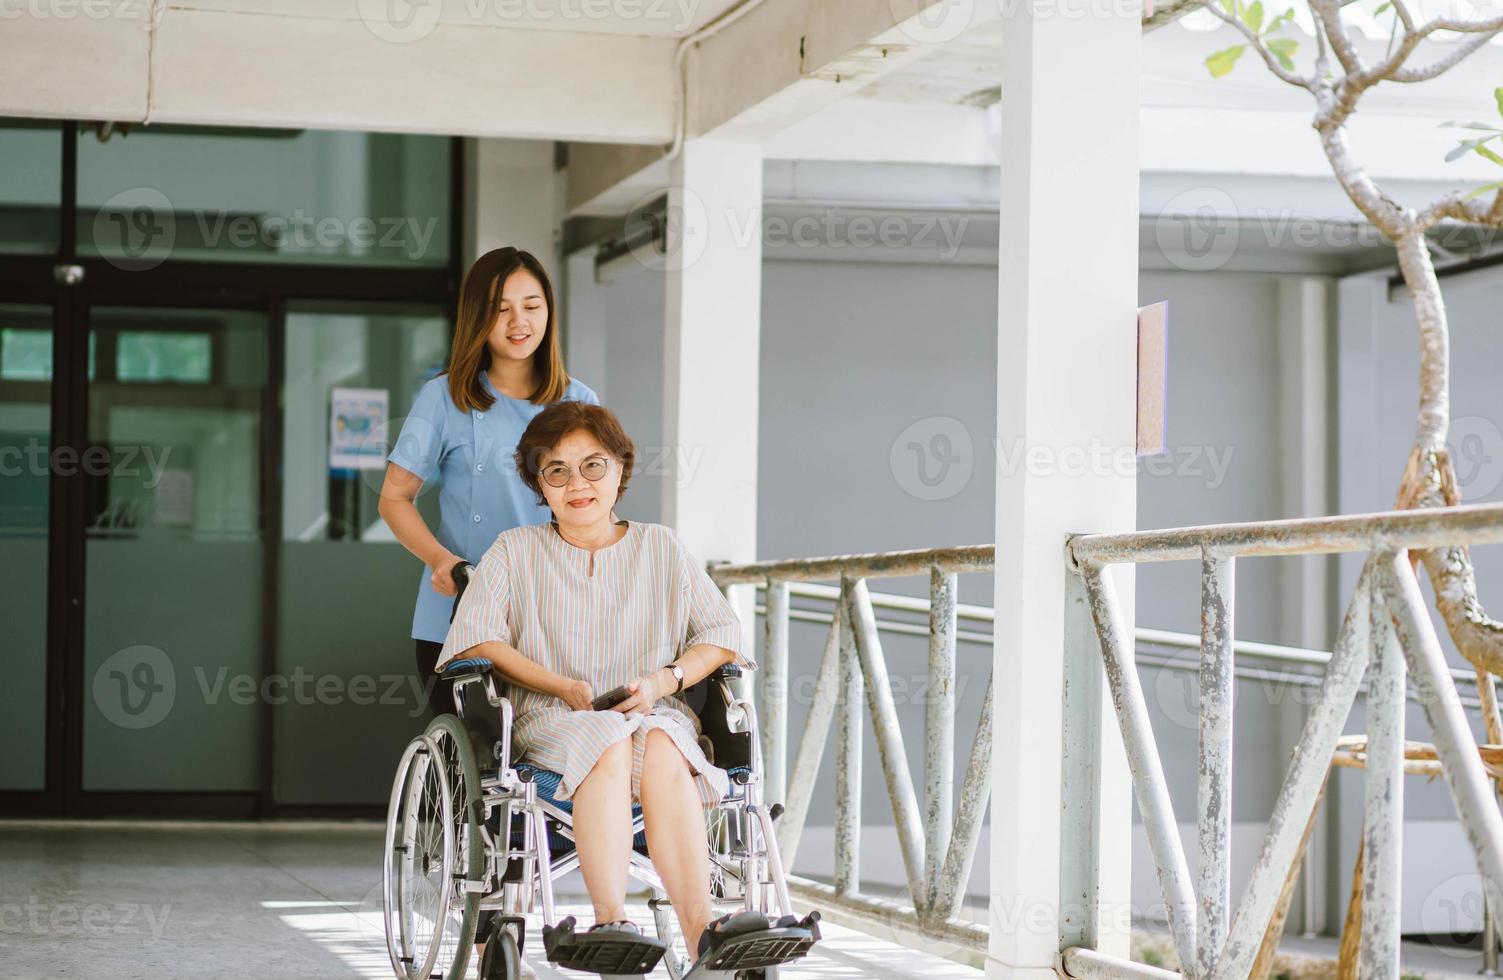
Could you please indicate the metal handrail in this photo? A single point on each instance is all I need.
(1386, 635)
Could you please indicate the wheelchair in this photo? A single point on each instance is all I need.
(471, 830)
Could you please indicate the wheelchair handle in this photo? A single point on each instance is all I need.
(460, 573)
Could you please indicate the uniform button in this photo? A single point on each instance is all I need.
(480, 415)
(477, 518)
(479, 467)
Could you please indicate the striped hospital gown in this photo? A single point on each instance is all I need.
(647, 602)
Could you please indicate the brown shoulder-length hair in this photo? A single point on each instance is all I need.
(548, 428)
(479, 305)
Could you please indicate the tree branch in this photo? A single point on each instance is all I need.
(1440, 67)
(1456, 206)
(1329, 14)
(1257, 45)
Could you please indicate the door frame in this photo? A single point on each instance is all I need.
(72, 285)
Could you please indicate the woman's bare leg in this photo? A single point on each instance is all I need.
(675, 826)
(602, 830)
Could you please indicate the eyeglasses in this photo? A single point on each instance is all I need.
(558, 474)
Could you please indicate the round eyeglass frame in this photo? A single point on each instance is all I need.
(568, 471)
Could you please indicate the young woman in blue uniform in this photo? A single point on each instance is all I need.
(505, 366)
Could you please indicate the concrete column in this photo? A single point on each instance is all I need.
(712, 325)
(1308, 600)
(515, 197)
(1066, 412)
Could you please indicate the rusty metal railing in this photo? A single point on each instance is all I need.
(1387, 629)
(938, 840)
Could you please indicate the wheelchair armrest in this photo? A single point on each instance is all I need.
(725, 671)
(466, 667)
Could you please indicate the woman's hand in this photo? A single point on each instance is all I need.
(645, 691)
(577, 694)
(443, 582)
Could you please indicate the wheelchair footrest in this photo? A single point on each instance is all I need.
(606, 951)
(749, 941)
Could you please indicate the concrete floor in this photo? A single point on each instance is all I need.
(302, 901)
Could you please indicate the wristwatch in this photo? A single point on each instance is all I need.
(678, 672)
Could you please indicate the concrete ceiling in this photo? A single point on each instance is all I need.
(642, 18)
(966, 71)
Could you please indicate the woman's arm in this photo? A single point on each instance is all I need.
(399, 512)
(697, 662)
(517, 668)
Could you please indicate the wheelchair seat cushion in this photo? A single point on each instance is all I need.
(547, 783)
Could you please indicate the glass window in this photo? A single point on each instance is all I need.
(26, 353)
(25, 465)
(173, 557)
(31, 180)
(158, 356)
(264, 195)
(347, 586)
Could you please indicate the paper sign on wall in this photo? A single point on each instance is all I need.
(357, 428)
(1153, 378)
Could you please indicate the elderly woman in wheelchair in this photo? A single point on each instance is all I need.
(592, 662)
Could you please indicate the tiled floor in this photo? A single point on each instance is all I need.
(260, 902)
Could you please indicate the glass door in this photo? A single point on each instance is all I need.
(173, 550)
(26, 461)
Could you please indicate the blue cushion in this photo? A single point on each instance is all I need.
(547, 782)
(466, 665)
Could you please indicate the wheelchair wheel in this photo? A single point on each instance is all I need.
(433, 848)
(456, 748)
(502, 960)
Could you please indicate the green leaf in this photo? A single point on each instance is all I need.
(1224, 61)
(1253, 17)
(1471, 125)
(1287, 17)
(1490, 154)
(1230, 6)
(1283, 49)
(1498, 94)
(1460, 150)
(1483, 190)
(1382, 8)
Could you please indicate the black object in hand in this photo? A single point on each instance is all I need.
(608, 700)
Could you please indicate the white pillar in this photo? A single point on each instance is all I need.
(712, 319)
(514, 197)
(1066, 402)
(1307, 600)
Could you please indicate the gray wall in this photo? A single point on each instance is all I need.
(861, 357)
